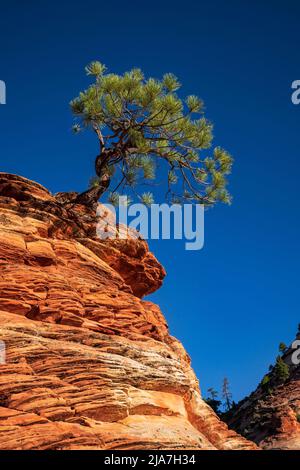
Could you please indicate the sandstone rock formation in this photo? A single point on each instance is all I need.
(270, 416)
(89, 364)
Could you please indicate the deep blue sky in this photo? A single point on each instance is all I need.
(234, 301)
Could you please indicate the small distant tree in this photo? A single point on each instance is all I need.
(281, 370)
(282, 347)
(142, 124)
(213, 394)
(226, 394)
(265, 384)
(212, 400)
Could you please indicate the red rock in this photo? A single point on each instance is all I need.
(89, 364)
(270, 416)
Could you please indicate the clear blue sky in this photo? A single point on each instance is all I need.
(234, 301)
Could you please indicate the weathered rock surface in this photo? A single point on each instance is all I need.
(270, 416)
(89, 364)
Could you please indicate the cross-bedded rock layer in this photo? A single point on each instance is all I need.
(89, 364)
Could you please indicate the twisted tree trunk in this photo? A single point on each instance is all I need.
(92, 195)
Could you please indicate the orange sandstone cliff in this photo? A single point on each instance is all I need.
(89, 364)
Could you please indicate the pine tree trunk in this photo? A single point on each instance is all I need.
(92, 195)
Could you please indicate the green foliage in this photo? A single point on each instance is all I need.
(148, 167)
(95, 68)
(117, 199)
(265, 381)
(298, 417)
(172, 177)
(147, 199)
(194, 104)
(282, 347)
(281, 370)
(113, 198)
(142, 123)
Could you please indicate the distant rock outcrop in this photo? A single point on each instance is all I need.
(89, 365)
(270, 416)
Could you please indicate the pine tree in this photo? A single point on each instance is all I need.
(213, 394)
(226, 394)
(141, 124)
(281, 370)
(212, 400)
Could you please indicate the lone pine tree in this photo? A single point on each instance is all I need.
(226, 394)
(142, 124)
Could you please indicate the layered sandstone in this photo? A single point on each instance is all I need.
(270, 416)
(89, 364)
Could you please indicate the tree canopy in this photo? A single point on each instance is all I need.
(142, 125)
